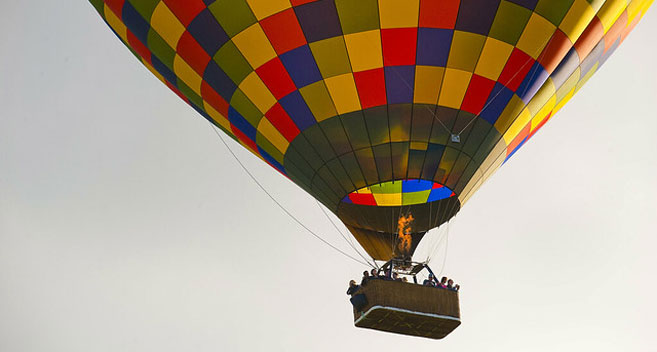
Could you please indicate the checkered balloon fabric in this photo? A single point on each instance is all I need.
(376, 108)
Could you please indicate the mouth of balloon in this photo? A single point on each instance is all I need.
(399, 192)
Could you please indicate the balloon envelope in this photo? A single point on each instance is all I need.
(385, 111)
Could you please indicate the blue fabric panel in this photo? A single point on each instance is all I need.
(219, 80)
(135, 23)
(207, 31)
(301, 66)
(400, 81)
(433, 46)
(241, 123)
(497, 100)
(299, 112)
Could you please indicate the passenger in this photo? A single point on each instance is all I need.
(353, 288)
(396, 277)
(450, 285)
(429, 282)
(387, 275)
(375, 274)
(404, 279)
(443, 282)
(457, 287)
(366, 278)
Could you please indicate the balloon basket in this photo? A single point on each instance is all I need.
(408, 309)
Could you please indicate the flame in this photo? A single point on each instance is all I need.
(404, 233)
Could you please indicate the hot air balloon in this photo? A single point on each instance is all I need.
(381, 110)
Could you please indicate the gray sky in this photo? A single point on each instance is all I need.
(125, 225)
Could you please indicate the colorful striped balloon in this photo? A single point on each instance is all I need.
(377, 108)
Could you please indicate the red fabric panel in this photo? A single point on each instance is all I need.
(516, 69)
(477, 94)
(363, 199)
(589, 38)
(371, 86)
(214, 99)
(399, 45)
(139, 47)
(192, 52)
(555, 51)
(185, 10)
(116, 6)
(276, 78)
(439, 13)
(282, 121)
(283, 31)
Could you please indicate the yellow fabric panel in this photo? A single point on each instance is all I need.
(388, 199)
(564, 101)
(153, 70)
(547, 108)
(465, 50)
(398, 13)
(257, 92)
(610, 11)
(331, 56)
(633, 9)
(536, 35)
(517, 126)
(166, 24)
(493, 58)
(116, 24)
(318, 100)
(343, 91)
(569, 84)
(428, 80)
(419, 145)
(187, 74)
(541, 97)
(578, 17)
(266, 8)
(455, 84)
(365, 190)
(512, 110)
(254, 46)
(586, 77)
(364, 50)
(273, 135)
(217, 116)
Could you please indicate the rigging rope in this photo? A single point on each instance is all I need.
(346, 237)
(214, 129)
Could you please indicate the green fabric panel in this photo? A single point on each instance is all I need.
(319, 142)
(318, 100)
(190, 94)
(399, 160)
(468, 173)
(331, 56)
(422, 121)
(332, 182)
(358, 16)
(553, 10)
(99, 5)
(264, 143)
(387, 188)
(465, 51)
(476, 135)
(233, 15)
(463, 123)
(433, 155)
(303, 147)
(383, 161)
(161, 49)
(456, 172)
(367, 164)
(376, 120)
(487, 145)
(232, 62)
(353, 169)
(446, 116)
(354, 125)
(415, 197)
(335, 133)
(145, 7)
(415, 161)
(245, 107)
(295, 161)
(341, 174)
(446, 164)
(510, 22)
(399, 118)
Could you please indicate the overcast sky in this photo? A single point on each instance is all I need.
(125, 225)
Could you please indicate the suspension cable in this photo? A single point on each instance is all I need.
(345, 237)
(214, 129)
